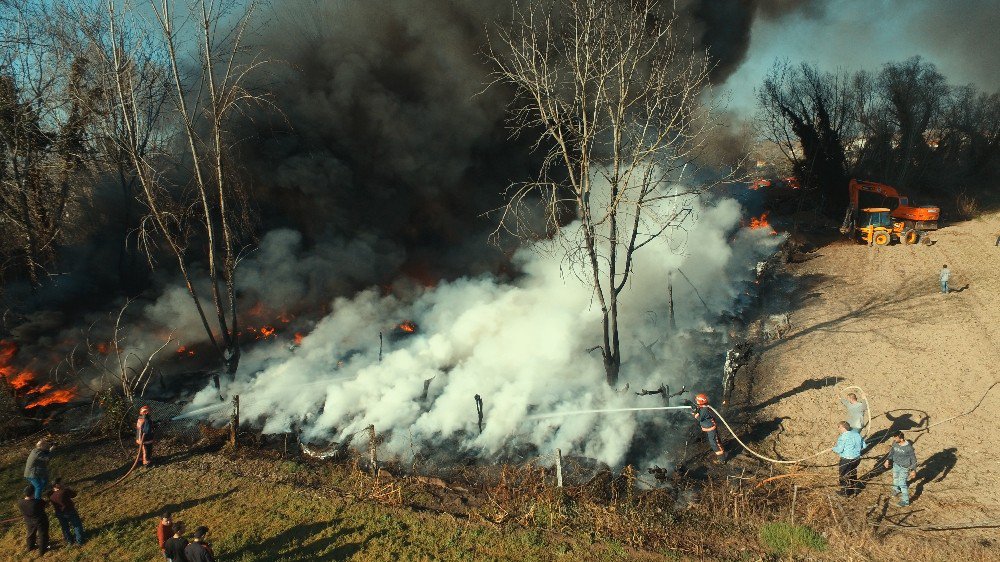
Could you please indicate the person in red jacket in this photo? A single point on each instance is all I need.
(164, 531)
(144, 436)
(69, 519)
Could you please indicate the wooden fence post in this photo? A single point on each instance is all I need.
(559, 468)
(372, 450)
(234, 421)
(479, 411)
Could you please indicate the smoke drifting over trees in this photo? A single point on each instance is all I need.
(369, 179)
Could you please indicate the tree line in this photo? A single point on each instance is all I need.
(904, 125)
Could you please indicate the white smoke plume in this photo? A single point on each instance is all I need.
(520, 345)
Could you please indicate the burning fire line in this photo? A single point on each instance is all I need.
(23, 382)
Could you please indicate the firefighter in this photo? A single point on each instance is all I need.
(706, 420)
(144, 436)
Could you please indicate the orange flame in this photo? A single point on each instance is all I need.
(298, 338)
(59, 396)
(102, 348)
(267, 331)
(285, 318)
(761, 222)
(22, 380)
(408, 327)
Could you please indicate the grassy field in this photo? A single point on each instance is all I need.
(264, 505)
(272, 509)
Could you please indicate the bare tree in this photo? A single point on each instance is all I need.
(613, 91)
(810, 116)
(204, 222)
(46, 165)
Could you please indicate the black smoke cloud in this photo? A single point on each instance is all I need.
(386, 126)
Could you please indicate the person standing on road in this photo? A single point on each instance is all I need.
(849, 446)
(855, 411)
(945, 276)
(36, 521)
(36, 469)
(904, 466)
(65, 510)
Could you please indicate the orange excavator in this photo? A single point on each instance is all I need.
(878, 213)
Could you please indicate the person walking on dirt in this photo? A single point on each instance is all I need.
(849, 446)
(904, 467)
(945, 276)
(36, 521)
(855, 411)
(36, 469)
(174, 547)
(706, 420)
(65, 510)
(144, 436)
(199, 550)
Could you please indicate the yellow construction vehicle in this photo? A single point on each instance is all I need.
(876, 227)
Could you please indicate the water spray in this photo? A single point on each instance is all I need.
(605, 411)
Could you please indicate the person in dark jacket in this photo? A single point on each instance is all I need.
(904, 466)
(174, 547)
(65, 510)
(36, 469)
(36, 520)
(706, 420)
(199, 550)
(144, 436)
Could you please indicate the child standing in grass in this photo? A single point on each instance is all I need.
(164, 531)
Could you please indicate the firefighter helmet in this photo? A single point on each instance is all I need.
(701, 399)
(144, 410)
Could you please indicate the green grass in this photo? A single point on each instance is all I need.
(784, 538)
(261, 510)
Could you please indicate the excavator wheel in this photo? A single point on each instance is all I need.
(910, 236)
(882, 238)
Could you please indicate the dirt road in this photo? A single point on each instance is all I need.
(875, 318)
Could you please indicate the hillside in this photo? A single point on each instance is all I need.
(875, 318)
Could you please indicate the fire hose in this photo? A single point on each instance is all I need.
(138, 454)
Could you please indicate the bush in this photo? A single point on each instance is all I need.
(782, 538)
(967, 206)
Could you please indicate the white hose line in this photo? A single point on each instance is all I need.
(758, 455)
(605, 411)
(722, 419)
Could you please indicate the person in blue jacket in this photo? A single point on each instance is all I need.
(849, 446)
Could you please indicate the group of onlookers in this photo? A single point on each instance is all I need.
(32, 505)
(170, 535)
(176, 548)
(901, 458)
